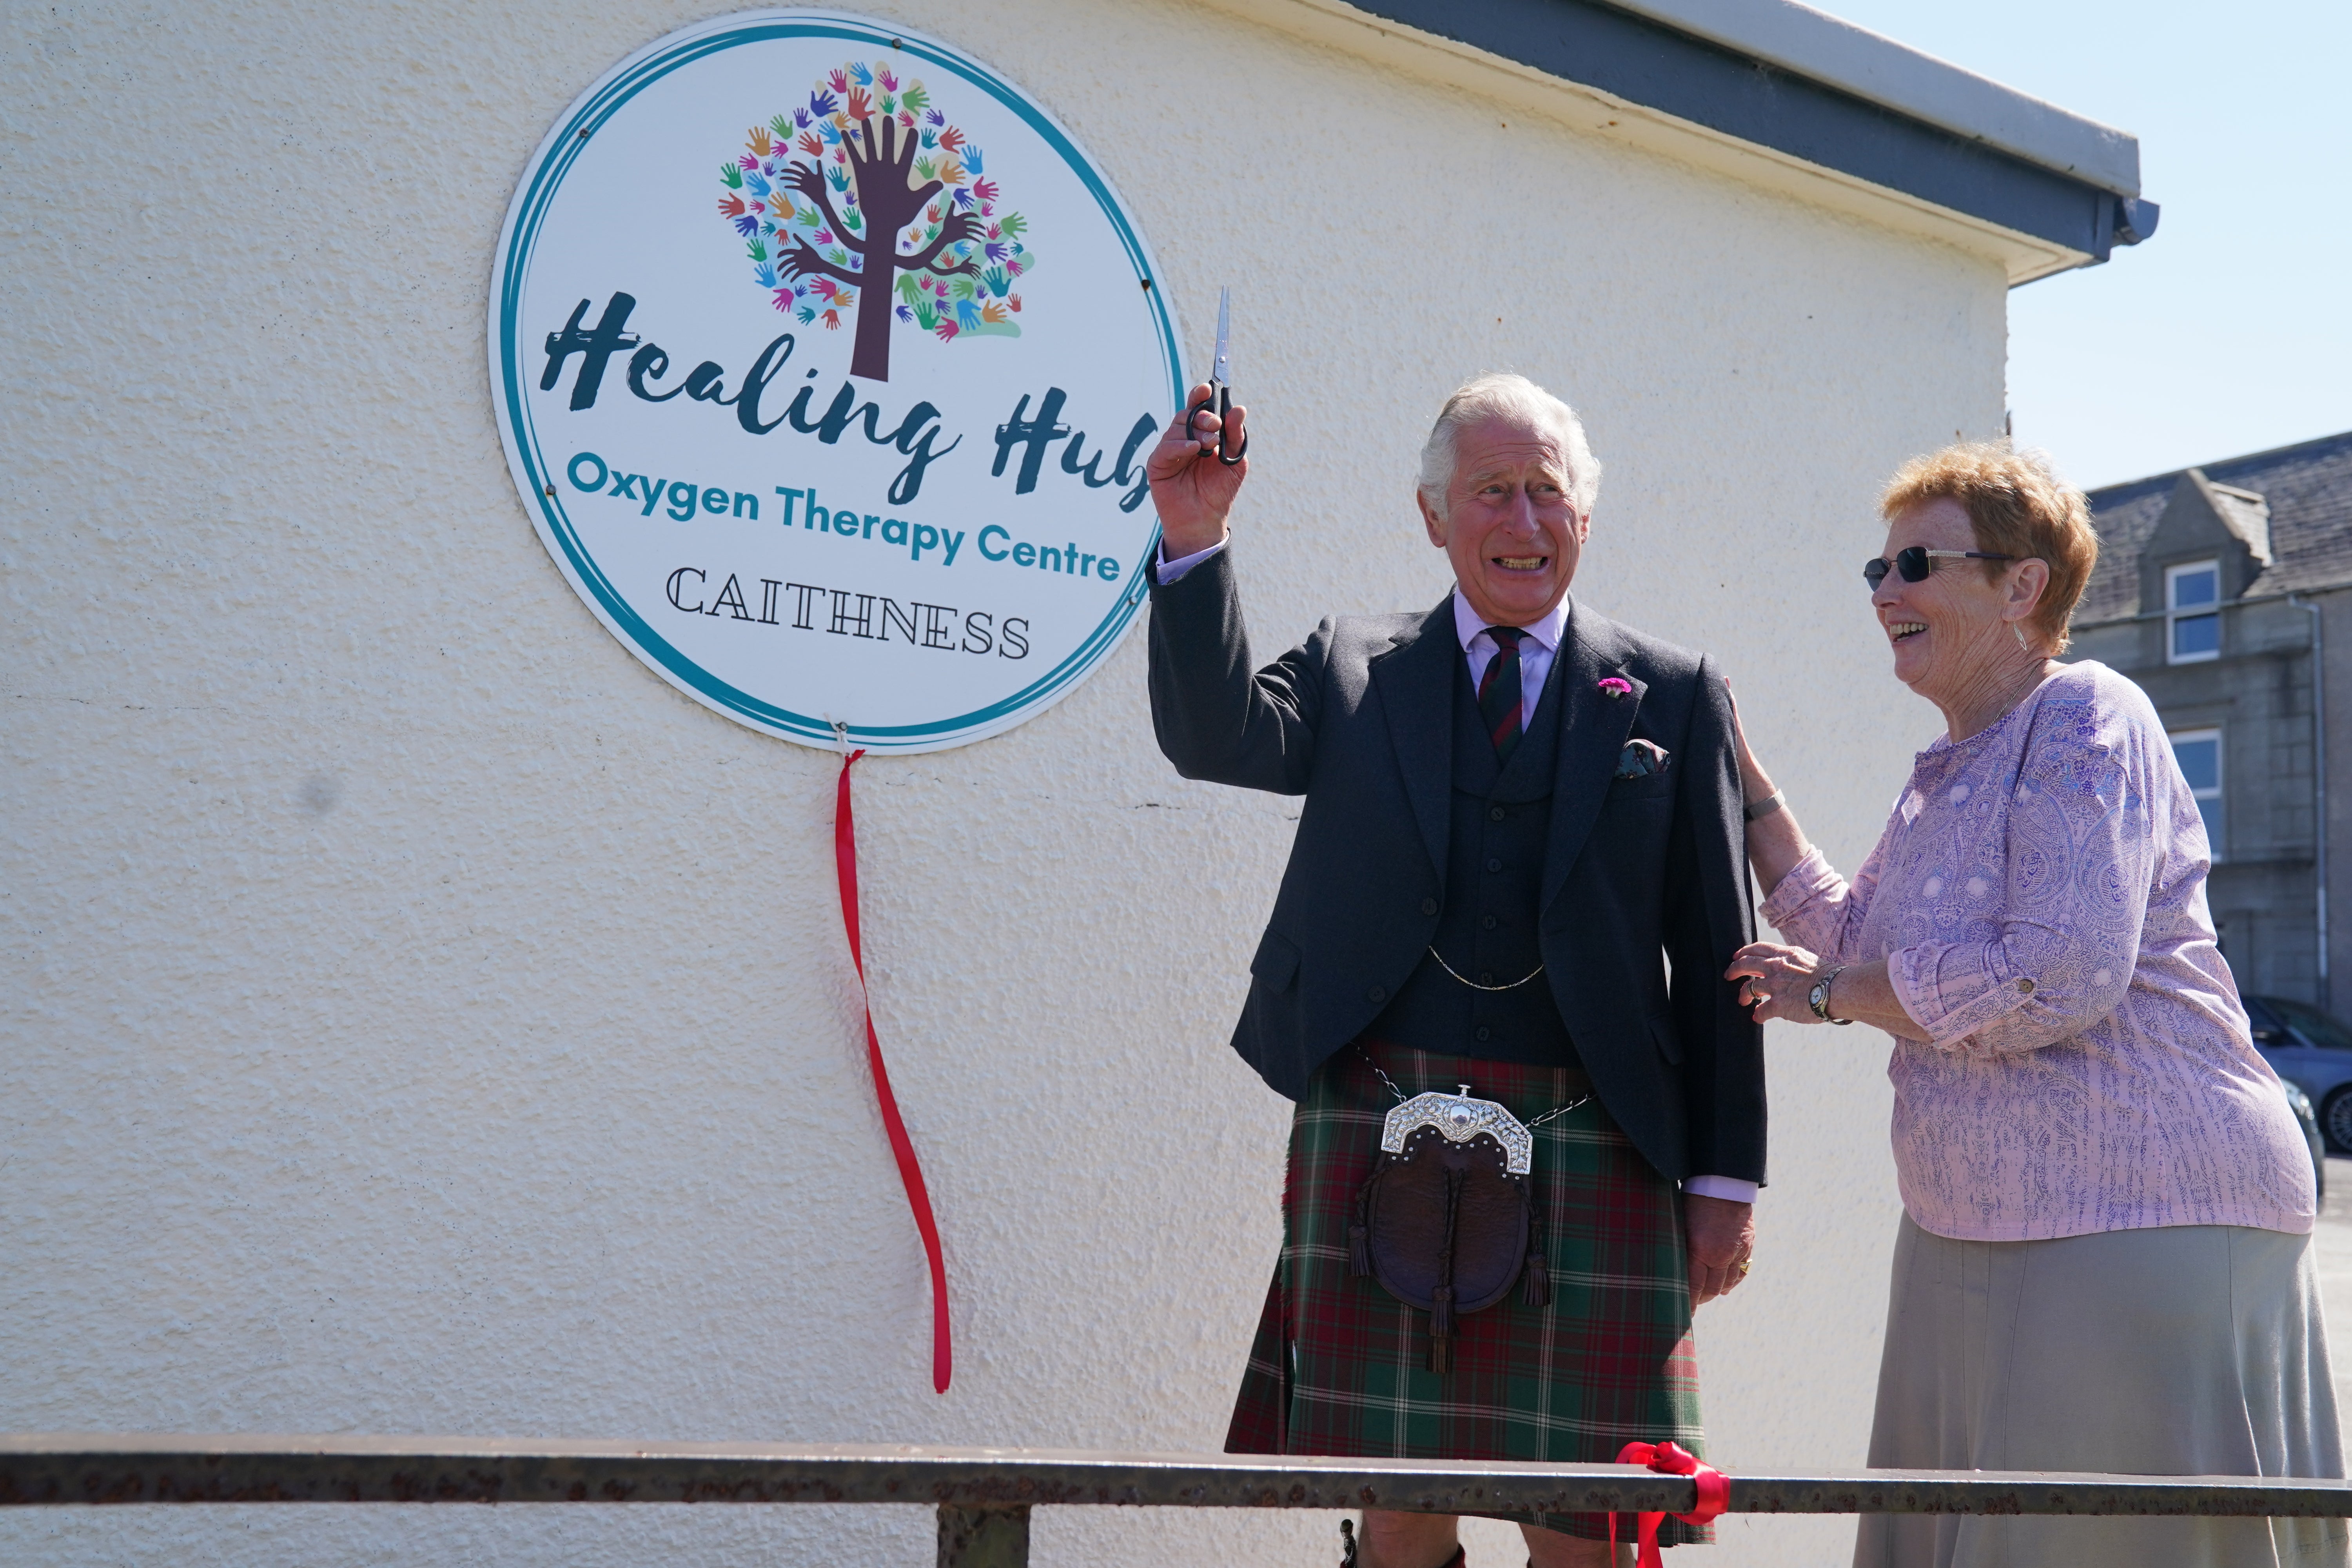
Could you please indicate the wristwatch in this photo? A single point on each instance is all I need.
(1818, 998)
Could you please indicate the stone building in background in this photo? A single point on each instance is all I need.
(2222, 591)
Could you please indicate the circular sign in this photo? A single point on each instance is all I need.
(826, 365)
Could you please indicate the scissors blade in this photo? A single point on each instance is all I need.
(1224, 333)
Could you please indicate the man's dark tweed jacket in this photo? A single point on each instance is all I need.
(1638, 870)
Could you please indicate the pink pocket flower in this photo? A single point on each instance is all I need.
(1616, 686)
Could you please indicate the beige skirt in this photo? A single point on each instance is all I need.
(2186, 1351)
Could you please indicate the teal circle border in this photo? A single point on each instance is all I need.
(588, 115)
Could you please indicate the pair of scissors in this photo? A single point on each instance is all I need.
(1221, 397)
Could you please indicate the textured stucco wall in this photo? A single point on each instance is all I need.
(419, 1018)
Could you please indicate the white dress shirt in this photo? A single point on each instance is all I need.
(1537, 651)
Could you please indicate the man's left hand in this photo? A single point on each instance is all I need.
(1722, 1235)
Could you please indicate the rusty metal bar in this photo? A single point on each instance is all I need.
(984, 1537)
(68, 1468)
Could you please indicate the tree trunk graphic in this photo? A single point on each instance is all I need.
(879, 169)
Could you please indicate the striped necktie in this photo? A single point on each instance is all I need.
(1498, 691)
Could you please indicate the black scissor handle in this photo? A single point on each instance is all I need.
(1220, 399)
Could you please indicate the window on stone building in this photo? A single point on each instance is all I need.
(2192, 606)
(2198, 752)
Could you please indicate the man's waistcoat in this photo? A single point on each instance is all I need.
(1501, 825)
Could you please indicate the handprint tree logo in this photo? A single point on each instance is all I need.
(917, 237)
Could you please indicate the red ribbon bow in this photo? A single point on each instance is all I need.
(1672, 1459)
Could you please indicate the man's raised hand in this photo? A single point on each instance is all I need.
(1191, 489)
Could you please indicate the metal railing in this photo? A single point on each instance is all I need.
(984, 1495)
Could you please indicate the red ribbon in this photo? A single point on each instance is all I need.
(1672, 1459)
(845, 856)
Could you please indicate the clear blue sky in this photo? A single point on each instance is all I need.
(2229, 332)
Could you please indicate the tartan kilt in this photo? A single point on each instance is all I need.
(1340, 1367)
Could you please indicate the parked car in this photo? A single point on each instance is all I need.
(2312, 1051)
(2300, 1103)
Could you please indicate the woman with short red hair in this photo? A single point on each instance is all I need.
(2105, 1260)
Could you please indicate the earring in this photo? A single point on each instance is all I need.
(2020, 632)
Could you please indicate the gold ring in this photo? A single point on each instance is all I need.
(1745, 1265)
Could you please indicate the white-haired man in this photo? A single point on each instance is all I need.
(1517, 815)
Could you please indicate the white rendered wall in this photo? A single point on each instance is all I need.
(419, 1018)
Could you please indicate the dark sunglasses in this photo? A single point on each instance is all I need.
(1916, 562)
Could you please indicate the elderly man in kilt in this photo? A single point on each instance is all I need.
(1517, 882)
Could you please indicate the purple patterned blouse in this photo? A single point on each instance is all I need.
(2084, 1064)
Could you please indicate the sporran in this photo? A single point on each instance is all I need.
(1447, 1222)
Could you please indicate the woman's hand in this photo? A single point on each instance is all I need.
(1191, 488)
(1777, 981)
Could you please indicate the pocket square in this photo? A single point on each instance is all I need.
(1640, 759)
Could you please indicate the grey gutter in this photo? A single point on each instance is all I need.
(1780, 76)
(2243, 602)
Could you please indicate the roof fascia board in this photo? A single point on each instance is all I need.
(1836, 53)
(1433, 57)
(1632, 58)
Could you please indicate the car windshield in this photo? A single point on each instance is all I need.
(2312, 1023)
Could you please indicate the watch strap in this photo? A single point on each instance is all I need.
(1818, 998)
